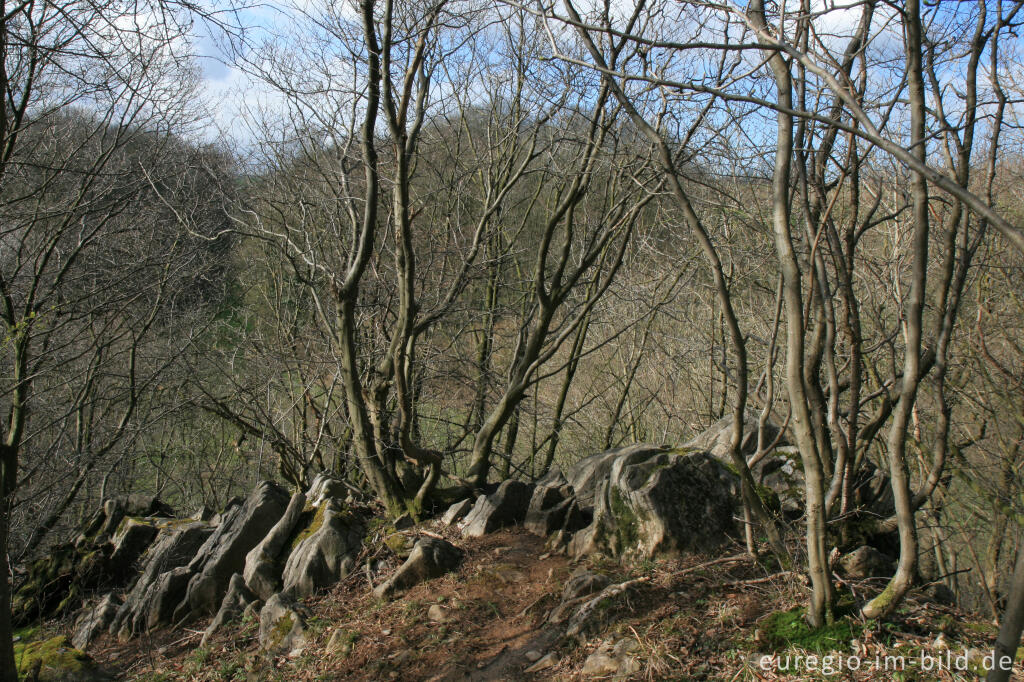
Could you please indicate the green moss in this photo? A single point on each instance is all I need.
(281, 629)
(313, 526)
(783, 629)
(627, 525)
(55, 655)
(397, 542)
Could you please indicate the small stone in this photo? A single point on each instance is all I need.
(548, 661)
(600, 663)
(533, 656)
(437, 613)
(386, 631)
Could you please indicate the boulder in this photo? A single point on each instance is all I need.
(865, 562)
(263, 566)
(457, 512)
(238, 597)
(430, 558)
(588, 475)
(282, 625)
(94, 621)
(656, 503)
(133, 537)
(324, 553)
(779, 471)
(224, 553)
(506, 506)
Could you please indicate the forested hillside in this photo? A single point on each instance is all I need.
(767, 257)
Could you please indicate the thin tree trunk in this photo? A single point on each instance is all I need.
(1013, 622)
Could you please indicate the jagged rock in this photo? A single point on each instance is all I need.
(324, 553)
(457, 512)
(282, 625)
(865, 562)
(430, 558)
(553, 508)
(132, 538)
(587, 476)
(238, 597)
(94, 621)
(223, 554)
(663, 503)
(263, 566)
(164, 578)
(504, 507)
(325, 487)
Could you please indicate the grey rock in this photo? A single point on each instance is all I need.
(156, 593)
(326, 555)
(430, 558)
(282, 625)
(94, 621)
(324, 488)
(778, 470)
(865, 562)
(553, 508)
(656, 503)
(263, 567)
(225, 551)
(238, 597)
(456, 512)
(504, 507)
(132, 538)
(612, 661)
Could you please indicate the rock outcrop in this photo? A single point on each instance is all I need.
(92, 622)
(224, 552)
(263, 566)
(237, 598)
(324, 553)
(161, 586)
(655, 502)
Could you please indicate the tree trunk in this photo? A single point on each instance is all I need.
(1013, 623)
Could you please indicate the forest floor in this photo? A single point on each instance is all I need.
(690, 619)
